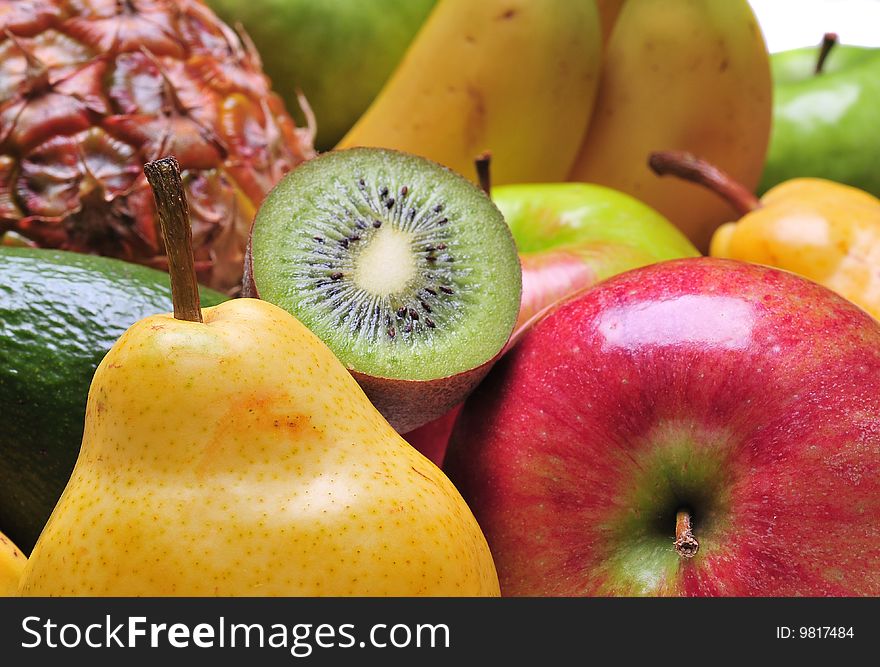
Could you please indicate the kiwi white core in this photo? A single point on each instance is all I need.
(386, 265)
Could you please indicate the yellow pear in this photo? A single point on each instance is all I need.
(11, 565)
(608, 12)
(227, 451)
(689, 75)
(237, 456)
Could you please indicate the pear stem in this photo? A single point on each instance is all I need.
(482, 162)
(685, 544)
(829, 41)
(164, 177)
(691, 168)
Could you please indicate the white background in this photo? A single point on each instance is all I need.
(788, 24)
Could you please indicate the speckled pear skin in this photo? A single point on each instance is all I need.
(12, 562)
(239, 457)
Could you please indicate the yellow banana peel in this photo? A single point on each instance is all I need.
(514, 77)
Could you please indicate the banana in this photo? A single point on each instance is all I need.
(688, 75)
(515, 77)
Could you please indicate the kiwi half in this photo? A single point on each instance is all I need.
(405, 269)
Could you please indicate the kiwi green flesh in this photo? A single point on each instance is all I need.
(405, 269)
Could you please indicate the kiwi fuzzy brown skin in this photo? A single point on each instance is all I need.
(405, 403)
(408, 404)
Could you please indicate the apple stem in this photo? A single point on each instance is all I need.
(686, 544)
(482, 163)
(164, 177)
(829, 41)
(691, 168)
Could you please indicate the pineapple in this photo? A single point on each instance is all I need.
(90, 90)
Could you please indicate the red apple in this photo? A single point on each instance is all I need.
(432, 439)
(695, 427)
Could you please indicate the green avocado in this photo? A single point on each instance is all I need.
(339, 53)
(825, 125)
(60, 313)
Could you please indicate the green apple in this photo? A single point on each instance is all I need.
(800, 64)
(572, 235)
(825, 123)
(339, 52)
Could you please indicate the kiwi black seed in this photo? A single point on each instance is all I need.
(403, 267)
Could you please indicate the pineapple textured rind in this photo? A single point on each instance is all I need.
(90, 90)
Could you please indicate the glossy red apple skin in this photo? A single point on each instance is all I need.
(745, 394)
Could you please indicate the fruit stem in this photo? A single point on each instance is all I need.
(686, 544)
(482, 162)
(164, 177)
(691, 168)
(829, 41)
